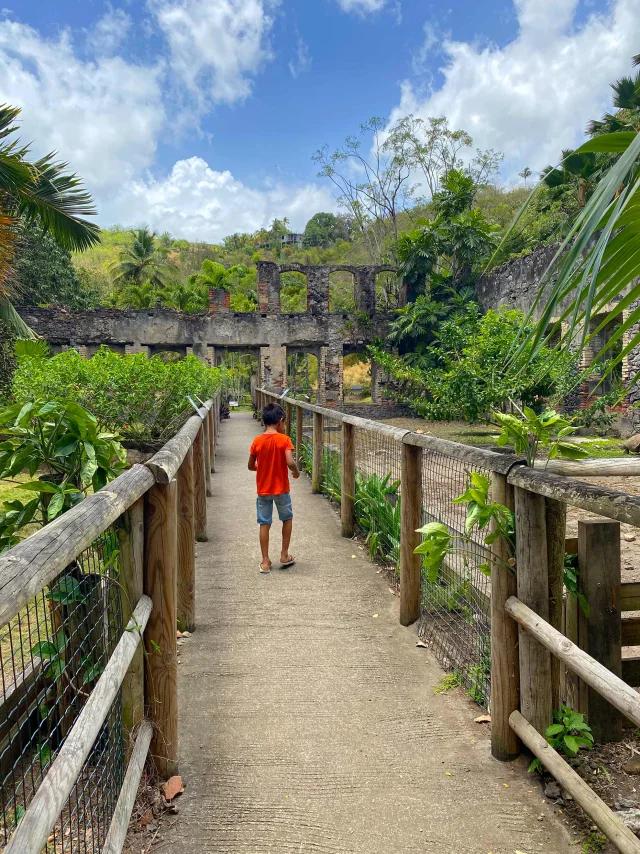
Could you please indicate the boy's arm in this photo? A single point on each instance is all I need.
(291, 464)
(252, 463)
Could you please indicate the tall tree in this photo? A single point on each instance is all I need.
(36, 191)
(323, 229)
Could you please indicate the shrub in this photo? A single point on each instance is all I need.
(144, 400)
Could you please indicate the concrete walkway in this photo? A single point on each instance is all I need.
(308, 719)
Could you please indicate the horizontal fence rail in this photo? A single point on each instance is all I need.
(520, 638)
(74, 681)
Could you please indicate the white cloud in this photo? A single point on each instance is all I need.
(216, 46)
(362, 7)
(301, 61)
(103, 116)
(534, 96)
(110, 31)
(199, 203)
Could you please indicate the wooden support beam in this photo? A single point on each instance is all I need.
(160, 580)
(131, 544)
(533, 591)
(212, 439)
(609, 823)
(206, 447)
(288, 408)
(348, 489)
(599, 579)
(318, 445)
(410, 519)
(186, 546)
(630, 596)
(299, 432)
(505, 665)
(199, 488)
(556, 523)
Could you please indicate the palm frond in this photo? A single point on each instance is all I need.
(13, 320)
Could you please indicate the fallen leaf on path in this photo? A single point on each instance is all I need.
(422, 644)
(178, 633)
(147, 818)
(352, 555)
(448, 774)
(172, 787)
(482, 719)
(374, 616)
(392, 591)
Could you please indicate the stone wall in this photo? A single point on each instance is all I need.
(515, 284)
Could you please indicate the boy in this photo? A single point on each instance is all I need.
(271, 457)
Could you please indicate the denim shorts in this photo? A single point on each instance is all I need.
(264, 504)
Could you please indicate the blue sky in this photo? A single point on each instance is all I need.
(201, 116)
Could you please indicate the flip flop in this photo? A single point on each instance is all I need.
(264, 571)
(288, 562)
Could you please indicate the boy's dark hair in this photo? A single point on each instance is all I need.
(272, 413)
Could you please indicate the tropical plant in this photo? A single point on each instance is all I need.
(596, 267)
(626, 99)
(530, 433)
(569, 734)
(38, 191)
(416, 322)
(212, 276)
(7, 361)
(62, 441)
(577, 176)
(143, 262)
(525, 174)
(377, 511)
(186, 297)
(138, 296)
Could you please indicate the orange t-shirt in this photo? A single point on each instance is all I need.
(272, 477)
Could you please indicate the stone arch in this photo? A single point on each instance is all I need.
(342, 288)
(294, 288)
(388, 289)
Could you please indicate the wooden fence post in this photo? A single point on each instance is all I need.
(299, 429)
(212, 437)
(131, 544)
(206, 450)
(289, 418)
(348, 489)
(199, 488)
(411, 513)
(533, 591)
(186, 545)
(318, 446)
(160, 577)
(505, 666)
(556, 522)
(599, 582)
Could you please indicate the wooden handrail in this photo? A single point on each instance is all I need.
(606, 467)
(36, 561)
(32, 833)
(168, 460)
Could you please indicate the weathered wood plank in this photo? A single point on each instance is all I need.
(131, 542)
(556, 520)
(186, 545)
(608, 822)
(610, 686)
(630, 631)
(199, 489)
(168, 460)
(318, 445)
(33, 831)
(505, 665)
(533, 590)
(114, 842)
(597, 499)
(630, 596)
(160, 582)
(608, 467)
(599, 579)
(410, 518)
(348, 487)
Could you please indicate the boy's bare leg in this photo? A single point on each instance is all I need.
(264, 546)
(287, 527)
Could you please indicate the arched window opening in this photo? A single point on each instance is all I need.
(293, 292)
(342, 292)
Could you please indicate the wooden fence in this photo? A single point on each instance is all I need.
(160, 508)
(534, 665)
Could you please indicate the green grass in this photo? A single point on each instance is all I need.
(9, 491)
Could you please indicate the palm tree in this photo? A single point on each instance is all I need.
(143, 262)
(525, 175)
(576, 175)
(41, 191)
(212, 276)
(186, 297)
(626, 98)
(138, 296)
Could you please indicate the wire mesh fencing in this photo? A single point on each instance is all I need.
(378, 495)
(332, 458)
(53, 653)
(455, 606)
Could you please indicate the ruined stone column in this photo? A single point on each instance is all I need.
(365, 290)
(268, 287)
(133, 349)
(199, 350)
(317, 290)
(330, 374)
(219, 300)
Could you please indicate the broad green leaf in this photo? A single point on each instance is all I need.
(55, 505)
(44, 649)
(39, 486)
(607, 143)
